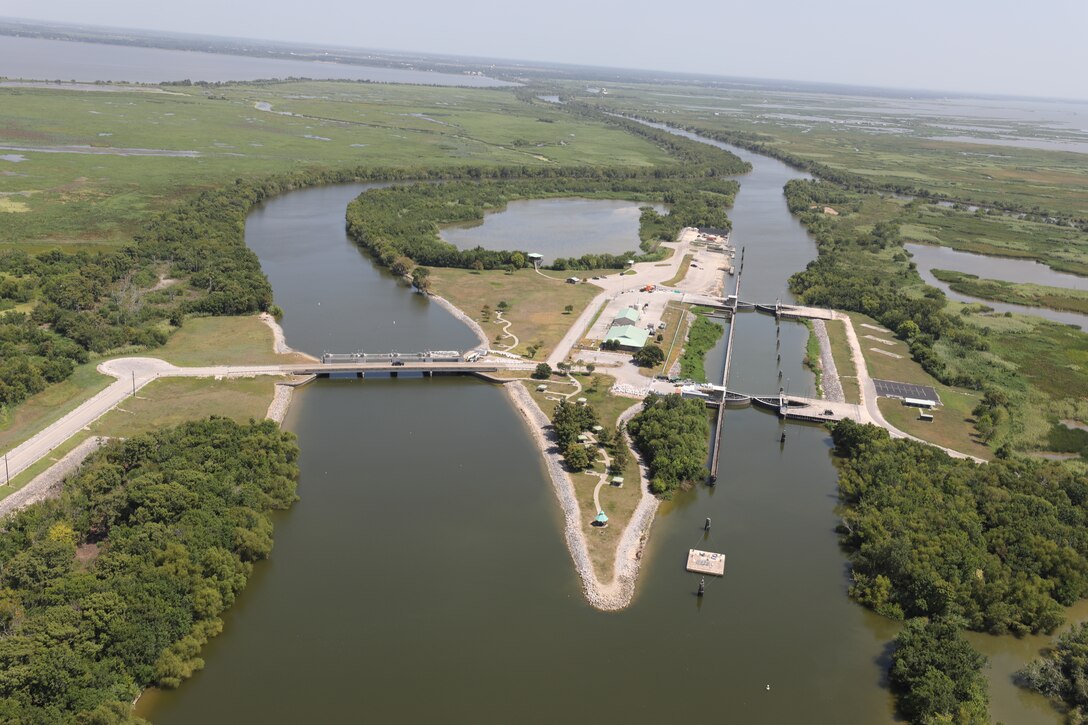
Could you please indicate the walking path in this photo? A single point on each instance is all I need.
(500, 320)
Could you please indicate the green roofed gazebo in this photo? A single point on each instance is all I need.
(601, 518)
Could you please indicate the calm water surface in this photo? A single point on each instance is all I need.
(929, 257)
(423, 576)
(40, 59)
(556, 227)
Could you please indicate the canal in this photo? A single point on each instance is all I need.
(423, 575)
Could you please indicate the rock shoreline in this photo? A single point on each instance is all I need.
(618, 593)
(831, 384)
(47, 483)
(442, 302)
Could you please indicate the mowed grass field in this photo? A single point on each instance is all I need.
(952, 425)
(536, 310)
(100, 199)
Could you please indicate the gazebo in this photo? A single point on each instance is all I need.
(601, 520)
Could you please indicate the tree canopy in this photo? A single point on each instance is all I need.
(119, 583)
(1003, 546)
(673, 435)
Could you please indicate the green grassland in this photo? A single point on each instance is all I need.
(1062, 248)
(96, 199)
(1031, 295)
(223, 341)
(875, 138)
(170, 401)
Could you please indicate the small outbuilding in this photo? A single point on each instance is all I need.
(601, 520)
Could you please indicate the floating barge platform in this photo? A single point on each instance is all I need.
(706, 562)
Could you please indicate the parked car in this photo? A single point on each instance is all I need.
(397, 363)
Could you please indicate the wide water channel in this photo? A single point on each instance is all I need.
(423, 576)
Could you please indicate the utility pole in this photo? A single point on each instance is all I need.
(7, 471)
(133, 383)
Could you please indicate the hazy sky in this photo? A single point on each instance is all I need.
(992, 46)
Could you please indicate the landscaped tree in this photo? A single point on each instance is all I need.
(649, 355)
(577, 457)
(543, 371)
(568, 309)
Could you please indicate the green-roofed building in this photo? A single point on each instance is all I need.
(628, 337)
(628, 316)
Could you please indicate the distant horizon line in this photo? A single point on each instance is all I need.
(473, 60)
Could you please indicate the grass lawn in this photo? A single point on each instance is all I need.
(952, 426)
(844, 361)
(681, 272)
(222, 341)
(618, 503)
(536, 303)
(39, 411)
(171, 401)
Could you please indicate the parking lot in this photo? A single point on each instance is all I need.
(893, 389)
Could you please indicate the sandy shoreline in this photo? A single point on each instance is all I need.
(620, 591)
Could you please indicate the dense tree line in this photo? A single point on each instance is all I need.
(1062, 673)
(119, 583)
(936, 675)
(1004, 546)
(401, 223)
(673, 436)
